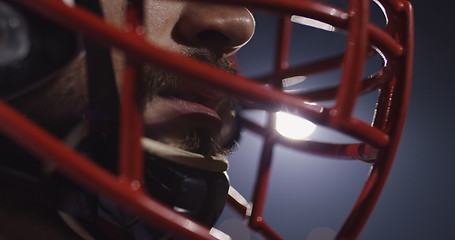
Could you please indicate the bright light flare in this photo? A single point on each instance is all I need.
(293, 127)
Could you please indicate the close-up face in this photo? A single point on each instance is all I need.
(177, 111)
(207, 32)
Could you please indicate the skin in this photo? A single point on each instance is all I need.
(204, 31)
(208, 32)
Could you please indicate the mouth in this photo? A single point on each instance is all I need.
(182, 113)
(172, 117)
(187, 112)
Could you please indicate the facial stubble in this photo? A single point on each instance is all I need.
(156, 82)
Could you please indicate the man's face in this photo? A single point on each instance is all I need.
(176, 110)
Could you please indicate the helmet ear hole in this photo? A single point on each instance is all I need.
(25, 40)
(14, 35)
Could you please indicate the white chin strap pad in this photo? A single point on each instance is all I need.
(193, 160)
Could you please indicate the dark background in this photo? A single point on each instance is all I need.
(310, 197)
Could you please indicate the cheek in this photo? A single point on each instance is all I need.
(113, 11)
(160, 18)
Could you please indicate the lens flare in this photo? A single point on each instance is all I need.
(294, 127)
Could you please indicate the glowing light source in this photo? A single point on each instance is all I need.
(294, 127)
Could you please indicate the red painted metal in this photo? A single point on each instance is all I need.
(354, 63)
(392, 122)
(282, 48)
(95, 178)
(377, 143)
(131, 127)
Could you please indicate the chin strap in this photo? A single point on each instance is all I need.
(190, 183)
(74, 225)
(218, 163)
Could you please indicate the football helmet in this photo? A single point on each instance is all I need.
(137, 185)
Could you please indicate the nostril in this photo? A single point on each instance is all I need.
(219, 28)
(212, 37)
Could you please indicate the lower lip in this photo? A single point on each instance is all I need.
(188, 107)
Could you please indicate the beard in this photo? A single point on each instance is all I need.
(203, 140)
(60, 103)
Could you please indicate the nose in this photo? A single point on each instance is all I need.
(221, 29)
